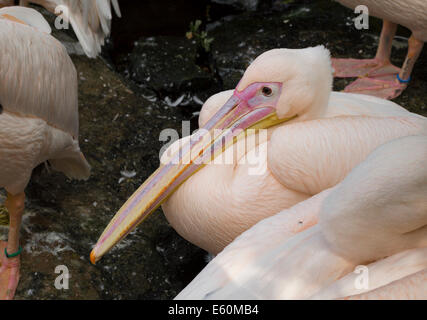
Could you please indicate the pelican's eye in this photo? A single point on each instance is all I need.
(267, 91)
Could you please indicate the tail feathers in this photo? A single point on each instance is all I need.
(91, 22)
(116, 8)
(74, 167)
(103, 10)
(90, 42)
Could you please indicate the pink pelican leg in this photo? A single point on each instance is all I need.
(378, 77)
(389, 86)
(9, 269)
(380, 65)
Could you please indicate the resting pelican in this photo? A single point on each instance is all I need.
(375, 218)
(378, 76)
(38, 119)
(315, 138)
(90, 19)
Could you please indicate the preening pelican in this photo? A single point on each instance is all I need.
(376, 218)
(378, 76)
(315, 138)
(38, 119)
(90, 19)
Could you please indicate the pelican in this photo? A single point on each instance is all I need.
(378, 76)
(376, 218)
(315, 137)
(90, 19)
(38, 119)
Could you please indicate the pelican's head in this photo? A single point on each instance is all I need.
(280, 85)
(295, 82)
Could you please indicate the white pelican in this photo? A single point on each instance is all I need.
(316, 137)
(375, 218)
(38, 119)
(378, 76)
(90, 19)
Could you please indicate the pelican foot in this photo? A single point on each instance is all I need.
(386, 87)
(353, 68)
(9, 274)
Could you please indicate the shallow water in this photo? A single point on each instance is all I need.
(121, 117)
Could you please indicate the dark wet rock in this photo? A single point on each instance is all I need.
(250, 5)
(239, 40)
(169, 66)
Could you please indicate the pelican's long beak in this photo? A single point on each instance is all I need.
(232, 119)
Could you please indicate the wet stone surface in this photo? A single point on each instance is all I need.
(122, 113)
(250, 5)
(168, 66)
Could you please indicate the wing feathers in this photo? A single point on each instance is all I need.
(29, 16)
(37, 77)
